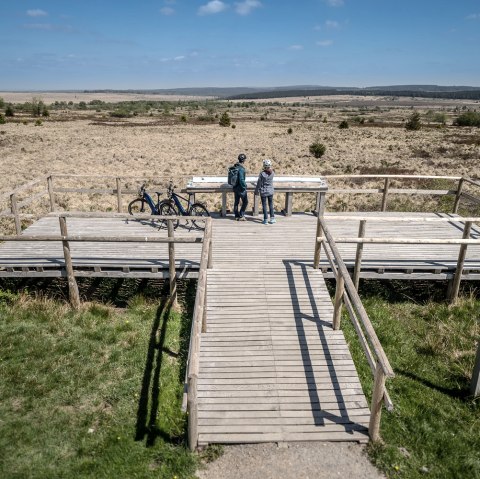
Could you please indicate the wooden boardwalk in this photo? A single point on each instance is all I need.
(271, 366)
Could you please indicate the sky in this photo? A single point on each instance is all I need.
(120, 44)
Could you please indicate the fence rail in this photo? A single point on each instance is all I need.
(52, 189)
(346, 292)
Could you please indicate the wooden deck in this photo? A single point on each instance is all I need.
(271, 366)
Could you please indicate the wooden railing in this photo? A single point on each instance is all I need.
(346, 292)
(50, 189)
(360, 240)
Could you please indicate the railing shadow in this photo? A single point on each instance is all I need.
(300, 317)
(150, 390)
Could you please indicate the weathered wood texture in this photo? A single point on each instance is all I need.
(297, 234)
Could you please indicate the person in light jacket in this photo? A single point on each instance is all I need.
(265, 189)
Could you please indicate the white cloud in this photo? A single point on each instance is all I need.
(167, 11)
(179, 58)
(215, 6)
(332, 24)
(473, 16)
(36, 13)
(244, 8)
(325, 43)
(48, 27)
(335, 3)
(295, 47)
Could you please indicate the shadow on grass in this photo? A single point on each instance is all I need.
(456, 393)
(148, 407)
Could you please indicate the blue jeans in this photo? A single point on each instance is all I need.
(270, 206)
(244, 198)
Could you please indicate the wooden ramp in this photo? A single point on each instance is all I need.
(271, 366)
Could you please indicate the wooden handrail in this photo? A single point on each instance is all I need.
(356, 301)
(366, 333)
(198, 323)
(403, 219)
(104, 239)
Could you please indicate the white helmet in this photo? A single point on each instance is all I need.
(267, 164)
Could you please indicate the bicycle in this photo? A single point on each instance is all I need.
(173, 206)
(167, 207)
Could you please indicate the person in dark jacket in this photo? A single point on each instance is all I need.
(265, 189)
(240, 190)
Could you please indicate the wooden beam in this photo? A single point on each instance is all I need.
(72, 283)
(119, 195)
(460, 262)
(171, 264)
(337, 310)
(14, 207)
(376, 407)
(51, 192)
(475, 385)
(288, 203)
(358, 255)
(458, 196)
(385, 194)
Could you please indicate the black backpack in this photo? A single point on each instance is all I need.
(233, 172)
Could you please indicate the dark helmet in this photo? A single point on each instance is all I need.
(242, 157)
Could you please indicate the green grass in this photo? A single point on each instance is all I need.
(434, 429)
(93, 393)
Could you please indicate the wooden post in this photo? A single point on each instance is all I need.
(192, 410)
(458, 196)
(318, 245)
(171, 264)
(255, 205)
(358, 256)
(208, 237)
(475, 386)
(461, 260)
(376, 407)
(51, 192)
(385, 193)
(337, 310)
(288, 203)
(119, 195)
(224, 204)
(72, 283)
(14, 207)
(321, 199)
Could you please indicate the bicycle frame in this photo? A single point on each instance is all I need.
(150, 202)
(179, 205)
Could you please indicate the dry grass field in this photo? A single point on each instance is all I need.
(181, 141)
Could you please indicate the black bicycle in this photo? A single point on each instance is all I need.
(171, 206)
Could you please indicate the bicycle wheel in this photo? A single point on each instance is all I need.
(138, 207)
(166, 209)
(198, 209)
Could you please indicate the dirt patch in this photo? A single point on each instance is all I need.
(292, 461)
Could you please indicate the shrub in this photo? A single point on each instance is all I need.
(38, 122)
(290, 131)
(9, 111)
(2, 120)
(470, 118)
(2, 102)
(343, 125)
(120, 113)
(224, 119)
(234, 126)
(45, 112)
(413, 122)
(183, 119)
(317, 149)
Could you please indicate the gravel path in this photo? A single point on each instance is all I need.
(292, 461)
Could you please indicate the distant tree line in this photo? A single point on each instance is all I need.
(454, 95)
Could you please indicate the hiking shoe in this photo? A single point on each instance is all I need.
(242, 218)
(264, 222)
(272, 220)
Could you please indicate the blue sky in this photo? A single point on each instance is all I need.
(83, 44)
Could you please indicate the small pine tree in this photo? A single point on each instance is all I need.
(224, 119)
(413, 122)
(290, 131)
(343, 125)
(2, 120)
